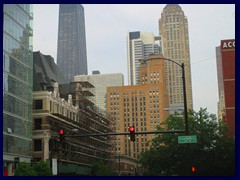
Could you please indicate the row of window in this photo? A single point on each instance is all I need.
(55, 108)
(17, 107)
(16, 87)
(17, 50)
(175, 45)
(16, 145)
(58, 108)
(172, 18)
(17, 13)
(16, 68)
(173, 35)
(72, 114)
(17, 31)
(176, 55)
(16, 125)
(116, 94)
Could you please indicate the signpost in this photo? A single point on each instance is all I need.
(187, 139)
(54, 166)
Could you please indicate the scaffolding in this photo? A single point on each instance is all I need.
(79, 117)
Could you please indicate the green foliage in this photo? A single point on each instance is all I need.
(24, 169)
(100, 169)
(39, 169)
(213, 154)
(42, 168)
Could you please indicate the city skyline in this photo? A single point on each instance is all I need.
(106, 39)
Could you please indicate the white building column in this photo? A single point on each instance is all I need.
(46, 138)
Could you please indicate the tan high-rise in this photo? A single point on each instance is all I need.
(140, 105)
(173, 28)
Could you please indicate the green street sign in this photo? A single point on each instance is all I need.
(187, 139)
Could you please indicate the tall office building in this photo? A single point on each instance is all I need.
(71, 51)
(139, 105)
(173, 28)
(226, 83)
(139, 46)
(17, 85)
(101, 82)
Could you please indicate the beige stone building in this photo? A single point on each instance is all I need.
(140, 105)
(173, 29)
(75, 155)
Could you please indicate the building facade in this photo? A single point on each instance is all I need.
(139, 46)
(75, 155)
(227, 83)
(71, 49)
(140, 105)
(101, 82)
(66, 106)
(221, 104)
(173, 28)
(17, 84)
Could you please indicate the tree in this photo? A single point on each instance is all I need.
(213, 154)
(24, 169)
(42, 169)
(39, 169)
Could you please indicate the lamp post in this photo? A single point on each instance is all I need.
(184, 93)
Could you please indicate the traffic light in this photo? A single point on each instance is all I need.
(61, 135)
(193, 169)
(132, 133)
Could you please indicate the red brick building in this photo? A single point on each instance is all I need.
(228, 74)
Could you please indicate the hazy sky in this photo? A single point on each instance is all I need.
(107, 26)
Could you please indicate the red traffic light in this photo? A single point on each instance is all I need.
(132, 133)
(131, 129)
(61, 132)
(193, 169)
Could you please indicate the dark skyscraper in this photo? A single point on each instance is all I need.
(71, 52)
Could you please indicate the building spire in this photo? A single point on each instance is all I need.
(168, 6)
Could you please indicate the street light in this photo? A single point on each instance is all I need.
(184, 92)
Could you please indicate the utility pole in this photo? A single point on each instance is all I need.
(184, 93)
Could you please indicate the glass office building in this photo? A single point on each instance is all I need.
(139, 47)
(71, 50)
(17, 85)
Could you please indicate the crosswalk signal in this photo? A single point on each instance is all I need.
(132, 133)
(61, 135)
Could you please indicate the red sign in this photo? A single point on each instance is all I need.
(228, 44)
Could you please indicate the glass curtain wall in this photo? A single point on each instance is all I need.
(17, 83)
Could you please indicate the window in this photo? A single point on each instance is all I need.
(38, 145)
(37, 124)
(38, 104)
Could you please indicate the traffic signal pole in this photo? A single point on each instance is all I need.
(186, 131)
(128, 133)
(184, 93)
(185, 100)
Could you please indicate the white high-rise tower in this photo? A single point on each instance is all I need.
(139, 46)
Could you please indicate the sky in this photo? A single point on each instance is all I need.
(106, 27)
